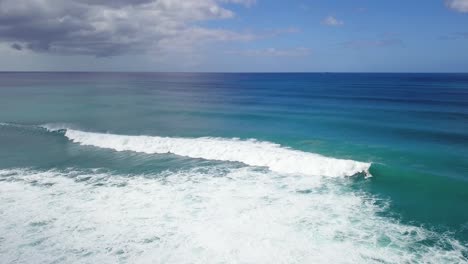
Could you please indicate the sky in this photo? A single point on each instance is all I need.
(234, 35)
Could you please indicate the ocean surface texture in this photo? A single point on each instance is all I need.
(233, 168)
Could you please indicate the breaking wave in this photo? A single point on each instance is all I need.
(250, 152)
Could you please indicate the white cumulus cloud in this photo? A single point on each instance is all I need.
(332, 21)
(273, 52)
(458, 5)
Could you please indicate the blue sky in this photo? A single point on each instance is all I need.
(234, 35)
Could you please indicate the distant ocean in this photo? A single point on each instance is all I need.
(233, 168)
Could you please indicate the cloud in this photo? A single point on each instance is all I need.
(458, 5)
(113, 27)
(247, 3)
(454, 36)
(332, 21)
(272, 52)
(359, 44)
(281, 31)
(16, 46)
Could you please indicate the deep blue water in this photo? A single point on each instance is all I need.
(412, 128)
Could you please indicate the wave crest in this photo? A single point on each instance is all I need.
(250, 152)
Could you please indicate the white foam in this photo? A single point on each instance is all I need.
(207, 215)
(7, 124)
(250, 152)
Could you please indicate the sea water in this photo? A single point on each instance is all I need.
(233, 168)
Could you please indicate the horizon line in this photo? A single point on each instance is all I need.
(238, 72)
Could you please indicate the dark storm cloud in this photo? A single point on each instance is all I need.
(107, 28)
(16, 46)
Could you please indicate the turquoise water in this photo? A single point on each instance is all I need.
(233, 168)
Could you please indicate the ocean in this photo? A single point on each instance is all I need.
(233, 168)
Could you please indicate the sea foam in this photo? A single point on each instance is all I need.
(213, 214)
(250, 152)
